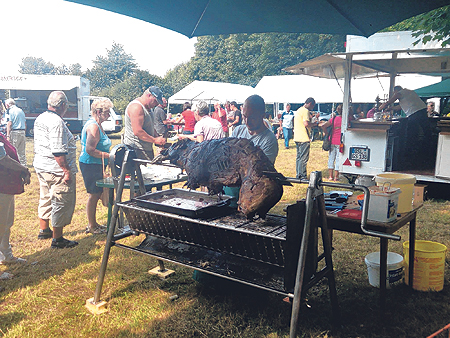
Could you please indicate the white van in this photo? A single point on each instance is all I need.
(114, 123)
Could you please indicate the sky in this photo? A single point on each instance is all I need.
(62, 32)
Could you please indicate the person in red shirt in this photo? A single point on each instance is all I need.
(187, 116)
(220, 115)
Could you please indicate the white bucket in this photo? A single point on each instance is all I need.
(383, 204)
(394, 271)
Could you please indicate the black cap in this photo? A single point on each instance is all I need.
(156, 92)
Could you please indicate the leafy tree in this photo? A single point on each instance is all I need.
(131, 86)
(111, 68)
(34, 65)
(246, 58)
(434, 25)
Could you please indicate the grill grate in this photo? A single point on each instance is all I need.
(260, 240)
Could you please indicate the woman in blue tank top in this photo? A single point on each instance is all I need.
(95, 145)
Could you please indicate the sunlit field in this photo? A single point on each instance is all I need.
(46, 297)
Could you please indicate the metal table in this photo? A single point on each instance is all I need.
(353, 226)
(111, 183)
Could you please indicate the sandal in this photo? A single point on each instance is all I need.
(100, 229)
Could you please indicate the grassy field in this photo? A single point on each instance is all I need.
(47, 295)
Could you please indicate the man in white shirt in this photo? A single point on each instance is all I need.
(56, 168)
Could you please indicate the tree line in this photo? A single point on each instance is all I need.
(234, 58)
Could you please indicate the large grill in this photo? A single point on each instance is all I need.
(260, 240)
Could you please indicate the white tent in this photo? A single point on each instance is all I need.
(212, 92)
(297, 88)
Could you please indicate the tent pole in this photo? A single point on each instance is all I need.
(347, 95)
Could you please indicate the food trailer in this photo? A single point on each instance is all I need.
(373, 145)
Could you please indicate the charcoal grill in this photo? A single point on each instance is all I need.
(278, 254)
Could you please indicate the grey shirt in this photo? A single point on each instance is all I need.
(266, 140)
(160, 116)
(132, 140)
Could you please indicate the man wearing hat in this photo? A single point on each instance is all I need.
(140, 130)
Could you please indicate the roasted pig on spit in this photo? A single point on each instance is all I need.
(229, 162)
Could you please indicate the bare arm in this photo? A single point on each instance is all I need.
(191, 137)
(236, 121)
(8, 129)
(179, 119)
(62, 162)
(222, 113)
(92, 139)
(137, 121)
(392, 99)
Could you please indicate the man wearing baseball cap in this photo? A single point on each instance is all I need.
(140, 130)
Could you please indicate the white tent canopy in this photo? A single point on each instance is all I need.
(212, 92)
(297, 88)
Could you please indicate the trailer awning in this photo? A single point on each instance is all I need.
(425, 62)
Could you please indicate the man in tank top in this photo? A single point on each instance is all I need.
(140, 131)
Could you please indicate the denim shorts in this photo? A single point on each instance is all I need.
(91, 173)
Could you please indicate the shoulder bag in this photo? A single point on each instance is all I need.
(327, 139)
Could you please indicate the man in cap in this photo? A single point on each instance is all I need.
(15, 129)
(140, 130)
(56, 168)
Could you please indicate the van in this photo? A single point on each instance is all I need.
(114, 123)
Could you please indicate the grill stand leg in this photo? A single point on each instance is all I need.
(94, 305)
(160, 270)
(315, 205)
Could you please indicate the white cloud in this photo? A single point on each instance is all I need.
(64, 32)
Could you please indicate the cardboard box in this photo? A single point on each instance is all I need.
(419, 194)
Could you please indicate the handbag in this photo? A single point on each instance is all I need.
(327, 140)
(105, 194)
(11, 182)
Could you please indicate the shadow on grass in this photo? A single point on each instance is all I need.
(48, 262)
(8, 320)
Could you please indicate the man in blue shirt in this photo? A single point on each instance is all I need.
(287, 122)
(15, 129)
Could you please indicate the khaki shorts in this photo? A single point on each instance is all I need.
(57, 199)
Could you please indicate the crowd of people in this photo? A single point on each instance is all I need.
(147, 127)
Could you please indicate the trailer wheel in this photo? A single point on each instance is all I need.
(30, 132)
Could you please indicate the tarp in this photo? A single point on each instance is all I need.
(440, 89)
(213, 17)
(42, 82)
(212, 92)
(297, 88)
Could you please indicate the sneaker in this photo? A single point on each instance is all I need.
(13, 260)
(61, 243)
(46, 233)
(6, 275)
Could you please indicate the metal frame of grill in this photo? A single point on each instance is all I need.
(283, 257)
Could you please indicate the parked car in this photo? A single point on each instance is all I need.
(324, 116)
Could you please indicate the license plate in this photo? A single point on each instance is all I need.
(359, 154)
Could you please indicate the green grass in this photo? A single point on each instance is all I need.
(47, 295)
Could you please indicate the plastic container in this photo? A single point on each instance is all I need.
(383, 204)
(406, 184)
(429, 264)
(394, 271)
